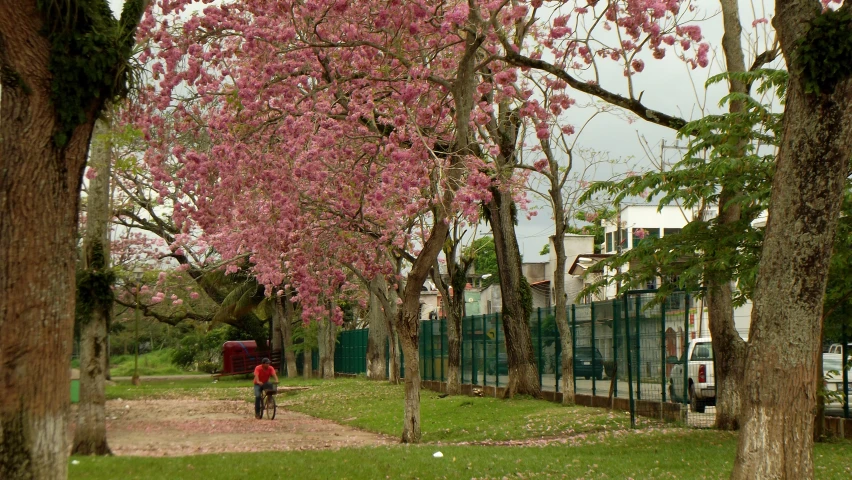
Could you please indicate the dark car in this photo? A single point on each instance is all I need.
(502, 364)
(583, 364)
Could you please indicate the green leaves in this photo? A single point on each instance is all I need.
(730, 161)
(824, 55)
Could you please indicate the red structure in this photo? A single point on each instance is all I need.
(241, 357)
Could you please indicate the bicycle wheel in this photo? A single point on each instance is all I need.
(270, 407)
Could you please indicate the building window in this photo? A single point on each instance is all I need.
(670, 231)
(609, 241)
(651, 284)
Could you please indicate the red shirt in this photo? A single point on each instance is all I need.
(263, 374)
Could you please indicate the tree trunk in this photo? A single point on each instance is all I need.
(290, 315)
(308, 363)
(523, 374)
(561, 313)
(455, 313)
(729, 354)
(38, 223)
(378, 335)
(394, 358)
(90, 432)
(779, 394)
(729, 348)
(409, 335)
(326, 340)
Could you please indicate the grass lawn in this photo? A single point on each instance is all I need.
(471, 433)
(158, 362)
(680, 454)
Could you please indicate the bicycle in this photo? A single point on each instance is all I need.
(268, 403)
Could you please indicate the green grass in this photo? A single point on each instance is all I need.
(378, 407)
(202, 387)
(471, 432)
(678, 454)
(158, 362)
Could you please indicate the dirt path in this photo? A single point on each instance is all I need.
(189, 427)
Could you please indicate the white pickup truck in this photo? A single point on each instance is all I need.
(701, 382)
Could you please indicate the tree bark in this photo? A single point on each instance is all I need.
(779, 397)
(409, 334)
(561, 311)
(523, 373)
(729, 354)
(378, 335)
(308, 364)
(38, 223)
(90, 432)
(289, 317)
(327, 338)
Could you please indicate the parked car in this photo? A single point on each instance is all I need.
(582, 363)
(501, 363)
(836, 348)
(584, 366)
(833, 377)
(700, 378)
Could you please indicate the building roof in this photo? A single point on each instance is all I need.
(585, 261)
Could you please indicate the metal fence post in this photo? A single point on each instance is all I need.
(497, 349)
(843, 367)
(573, 345)
(638, 352)
(474, 374)
(684, 397)
(540, 361)
(461, 346)
(663, 351)
(594, 349)
(485, 351)
(443, 353)
(629, 364)
(616, 312)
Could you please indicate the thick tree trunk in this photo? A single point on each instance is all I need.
(308, 363)
(39, 195)
(286, 325)
(455, 313)
(378, 335)
(779, 396)
(90, 432)
(326, 341)
(409, 334)
(523, 373)
(729, 354)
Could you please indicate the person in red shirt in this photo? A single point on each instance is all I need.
(262, 373)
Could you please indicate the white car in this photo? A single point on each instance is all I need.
(833, 376)
(700, 378)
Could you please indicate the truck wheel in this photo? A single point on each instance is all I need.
(695, 405)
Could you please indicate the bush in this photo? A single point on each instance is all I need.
(203, 350)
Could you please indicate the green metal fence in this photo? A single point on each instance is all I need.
(627, 350)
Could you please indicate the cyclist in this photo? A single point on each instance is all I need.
(262, 373)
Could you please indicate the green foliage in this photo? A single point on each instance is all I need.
(838, 294)
(157, 362)
(305, 337)
(545, 249)
(203, 349)
(94, 287)
(526, 298)
(89, 56)
(824, 56)
(595, 227)
(484, 255)
(731, 150)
